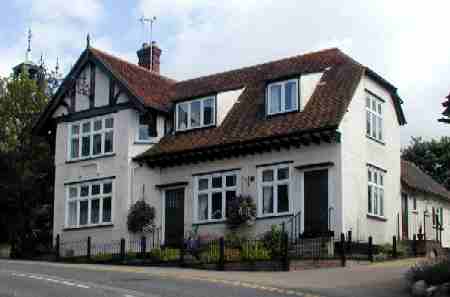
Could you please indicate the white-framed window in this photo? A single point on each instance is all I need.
(89, 204)
(274, 185)
(282, 96)
(197, 113)
(374, 117)
(375, 191)
(91, 138)
(145, 132)
(212, 193)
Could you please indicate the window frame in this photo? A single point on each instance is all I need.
(202, 110)
(274, 183)
(89, 198)
(283, 84)
(150, 139)
(210, 191)
(103, 131)
(377, 185)
(376, 114)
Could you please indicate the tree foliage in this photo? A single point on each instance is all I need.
(141, 215)
(26, 169)
(433, 157)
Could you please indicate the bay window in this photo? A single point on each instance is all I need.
(212, 193)
(91, 138)
(89, 204)
(274, 190)
(375, 193)
(197, 113)
(282, 97)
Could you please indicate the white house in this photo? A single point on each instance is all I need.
(316, 134)
(425, 206)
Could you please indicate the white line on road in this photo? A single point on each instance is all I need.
(52, 280)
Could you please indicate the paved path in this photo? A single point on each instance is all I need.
(39, 279)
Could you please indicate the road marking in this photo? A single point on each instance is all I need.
(68, 283)
(37, 277)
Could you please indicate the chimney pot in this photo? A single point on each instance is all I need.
(144, 57)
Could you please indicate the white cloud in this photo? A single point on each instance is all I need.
(405, 41)
(59, 30)
(84, 11)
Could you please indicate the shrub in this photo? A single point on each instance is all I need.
(272, 240)
(240, 210)
(387, 249)
(255, 251)
(140, 215)
(165, 255)
(233, 239)
(433, 272)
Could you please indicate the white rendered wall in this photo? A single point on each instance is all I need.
(225, 102)
(308, 84)
(247, 168)
(357, 150)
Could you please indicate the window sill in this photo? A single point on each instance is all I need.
(91, 158)
(144, 142)
(376, 140)
(375, 217)
(194, 129)
(106, 225)
(209, 222)
(271, 115)
(274, 216)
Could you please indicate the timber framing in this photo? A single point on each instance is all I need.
(234, 150)
(88, 58)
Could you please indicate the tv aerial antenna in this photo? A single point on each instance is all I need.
(149, 22)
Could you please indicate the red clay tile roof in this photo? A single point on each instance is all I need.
(413, 177)
(244, 122)
(154, 89)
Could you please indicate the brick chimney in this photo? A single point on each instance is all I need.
(144, 57)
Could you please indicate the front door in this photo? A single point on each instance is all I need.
(174, 217)
(316, 203)
(405, 218)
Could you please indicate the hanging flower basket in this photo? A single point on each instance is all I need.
(140, 217)
(240, 211)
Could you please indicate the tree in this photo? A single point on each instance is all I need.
(433, 157)
(26, 170)
(446, 112)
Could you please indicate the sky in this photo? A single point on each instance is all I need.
(407, 42)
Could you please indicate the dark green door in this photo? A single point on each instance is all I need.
(405, 218)
(174, 217)
(316, 203)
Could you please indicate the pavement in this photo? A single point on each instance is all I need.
(39, 279)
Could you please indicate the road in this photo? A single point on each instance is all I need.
(42, 279)
(26, 279)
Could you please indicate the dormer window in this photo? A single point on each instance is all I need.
(282, 97)
(197, 113)
(147, 127)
